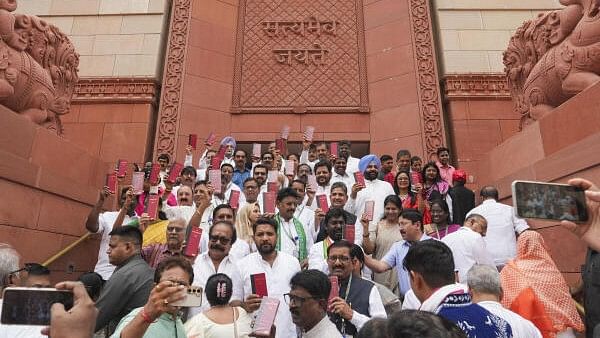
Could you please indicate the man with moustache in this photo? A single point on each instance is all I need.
(278, 268)
(322, 151)
(259, 173)
(323, 176)
(411, 229)
(227, 187)
(307, 302)
(346, 152)
(337, 198)
(305, 215)
(340, 174)
(303, 171)
(222, 236)
(358, 300)
(185, 205)
(240, 172)
(335, 220)
(155, 253)
(293, 237)
(374, 190)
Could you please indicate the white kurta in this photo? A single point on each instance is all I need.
(521, 327)
(106, 221)
(468, 249)
(377, 191)
(290, 242)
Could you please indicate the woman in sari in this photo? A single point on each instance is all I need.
(434, 186)
(534, 288)
(440, 219)
(410, 193)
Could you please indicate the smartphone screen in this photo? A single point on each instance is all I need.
(31, 306)
(549, 201)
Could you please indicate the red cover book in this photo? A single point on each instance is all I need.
(256, 150)
(259, 284)
(335, 288)
(234, 199)
(154, 172)
(221, 152)
(269, 202)
(289, 168)
(415, 177)
(369, 207)
(359, 178)
(210, 139)
(215, 162)
(309, 133)
(285, 132)
(272, 176)
(349, 233)
(272, 187)
(175, 172)
(322, 203)
(265, 317)
(333, 149)
(111, 182)
(152, 206)
(122, 168)
(214, 177)
(193, 242)
(193, 140)
(280, 144)
(137, 181)
(312, 182)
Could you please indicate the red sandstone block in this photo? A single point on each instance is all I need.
(216, 13)
(20, 206)
(473, 138)
(387, 36)
(391, 146)
(492, 109)
(202, 121)
(124, 140)
(393, 92)
(141, 112)
(61, 215)
(457, 109)
(354, 137)
(267, 123)
(112, 113)
(32, 245)
(72, 116)
(209, 64)
(17, 169)
(574, 158)
(207, 93)
(400, 121)
(385, 11)
(508, 128)
(88, 136)
(567, 251)
(334, 123)
(388, 63)
(17, 133)
(64, 186)
(212, 37)
(82, 258)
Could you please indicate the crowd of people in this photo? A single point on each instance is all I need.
(330, 244)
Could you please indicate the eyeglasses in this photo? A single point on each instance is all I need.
(174, 229)
(289, 298)
(222, 240)
(343, 259)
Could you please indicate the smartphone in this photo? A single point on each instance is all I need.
(152, 206)
(193, 298)
(122, 168)
(193, 140)
(193, 242)
(137, 181)
(111, 182)
(259, 284)
(550, 201)
(335, 288)
(174, 172)
(369, 208)
(265, 317)
(31, 306)
(322, 203)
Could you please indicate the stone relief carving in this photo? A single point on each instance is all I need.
(553, 57)
(38, 67)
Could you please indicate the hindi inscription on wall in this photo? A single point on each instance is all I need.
(300, 56)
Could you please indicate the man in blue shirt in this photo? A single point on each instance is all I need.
(240, 172)
(411, 229)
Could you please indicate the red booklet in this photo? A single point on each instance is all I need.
(285, 132)
(281, 146)
(415, 177)
(259, 284)
(256, 150)
(265, 317)
(349, 233)
(152, 206)
(154, 173)
(369, 208)
(122, 168)
(359, 178)
(234, 199)
(192, 245)
(193, 140)
(210, 139)
(269, 202)
(272, 187)
(214, 177)
(289, 168)
(322, 203)
(312, 182)
(335, 288)
(215, 162)
(309, 133)
(333, 149)
(137, 181)
(272, 176)
(175, 172)
(221, 152)
(111, 182)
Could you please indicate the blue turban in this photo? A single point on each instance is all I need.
(366, 160)
(228, 140)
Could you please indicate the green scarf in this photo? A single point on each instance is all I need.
(302, 252)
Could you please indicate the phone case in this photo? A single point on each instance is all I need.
(312, 182)
(289, 168)
(349, 233)
(153, 206)
(285, 132)
(234, 199)
(193, 140)
(137, 181)
(175, 172)
(193, 298)
(333, 149)
(309, 133)
(256, 150)
(265, 317)
(359, 178)
(322, 202)
(122, 168)
(259, 284)
(211, 139)
(193, 242)
(154, 172)
(369, 208)
(269, 202)
(111, 182)
(335, 288)
(272, 187)
(214, 177)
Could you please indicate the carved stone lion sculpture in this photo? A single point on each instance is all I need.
(38, 67)
(553, 57)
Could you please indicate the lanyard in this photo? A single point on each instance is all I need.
(349, 304)
(326, 245)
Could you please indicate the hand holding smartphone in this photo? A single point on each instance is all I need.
(31, 306)
(549, 201)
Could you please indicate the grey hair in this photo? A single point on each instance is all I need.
(9, 262)
(484, 279)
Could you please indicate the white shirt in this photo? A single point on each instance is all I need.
(352, 165)
(204, 268)
(278, 279)
(230, 187)
(304, 160)
(324, 328)
(501, 227)
(410, 302)
(376, 309)
(290, 242)
(105, 226)
(321, 190)
(348, 180)
(468, 249)
(307, 217)
(316, 257)
(180, 211)
(376, 190)
(521, 327)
